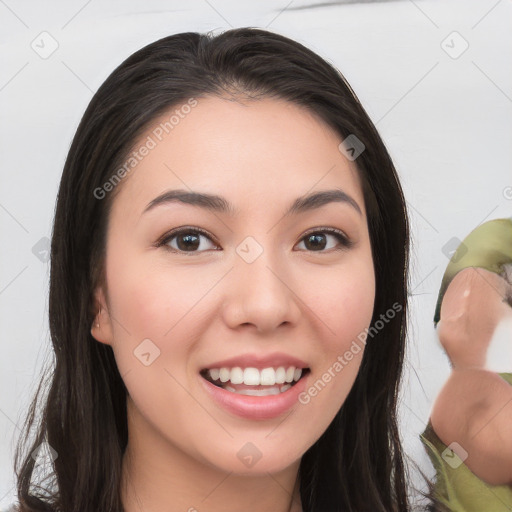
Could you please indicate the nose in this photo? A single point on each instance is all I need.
(262, 294)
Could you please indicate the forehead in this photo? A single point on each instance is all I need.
(254, 151)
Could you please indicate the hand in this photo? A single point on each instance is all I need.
(472, 307)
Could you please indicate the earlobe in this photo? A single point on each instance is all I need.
(101, 329)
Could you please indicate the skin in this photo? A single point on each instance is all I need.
(210, 305)
(474, 408)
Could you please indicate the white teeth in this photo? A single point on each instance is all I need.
(289, 374)
(280, 375)
(254, 377)
(259, 392)
(251, 377)
(276, 390)
(237, 375)
(268, 377)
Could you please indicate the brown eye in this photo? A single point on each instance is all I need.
(187, 240)
(318, 241)
(190, 240)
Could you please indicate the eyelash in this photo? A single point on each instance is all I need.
(344, 241)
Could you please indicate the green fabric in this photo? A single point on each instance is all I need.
(459, 488)
(488, 246)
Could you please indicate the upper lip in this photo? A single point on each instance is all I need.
(259, 361)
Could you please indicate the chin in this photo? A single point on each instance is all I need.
(254, 458)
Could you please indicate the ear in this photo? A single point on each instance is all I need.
(101, 329)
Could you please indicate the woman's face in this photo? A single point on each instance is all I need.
(256, 290)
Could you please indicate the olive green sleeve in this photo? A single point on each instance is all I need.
(456, 486)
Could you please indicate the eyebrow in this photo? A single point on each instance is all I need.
(219, 204)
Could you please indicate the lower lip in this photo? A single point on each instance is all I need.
(256, 407)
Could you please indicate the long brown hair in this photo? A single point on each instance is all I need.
(357, 464)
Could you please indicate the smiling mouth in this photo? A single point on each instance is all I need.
(255, 382)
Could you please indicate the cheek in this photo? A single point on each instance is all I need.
(346, 303)
(150, 309)
(153, 339)
(148, 298)
(345, 307)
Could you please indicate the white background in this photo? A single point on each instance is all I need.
(446, 122)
